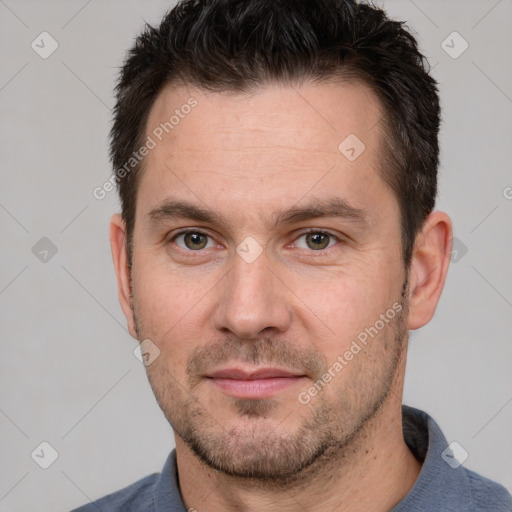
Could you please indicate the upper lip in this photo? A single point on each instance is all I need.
(262, 373)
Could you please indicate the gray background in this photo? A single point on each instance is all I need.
(68, 373)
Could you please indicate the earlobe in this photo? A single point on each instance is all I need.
(429, 267)
(122, 269)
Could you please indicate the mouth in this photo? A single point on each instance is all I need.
(254, 384)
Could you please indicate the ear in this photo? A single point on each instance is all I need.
(429, 266)
(120, 257)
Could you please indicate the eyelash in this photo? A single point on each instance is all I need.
(303, 233)
(320, 232)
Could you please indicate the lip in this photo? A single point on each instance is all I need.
(262, 373)
(254, 384)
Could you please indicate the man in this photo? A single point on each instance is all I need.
(277, 168)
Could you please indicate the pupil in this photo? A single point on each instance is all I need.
(318, 239)
(195, 240)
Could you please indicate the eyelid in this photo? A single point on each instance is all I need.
(321, 231)
(183, 231)
(318, 230)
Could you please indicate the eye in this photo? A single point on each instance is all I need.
(193, 240)
(316, 240)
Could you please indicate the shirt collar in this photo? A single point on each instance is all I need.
(438, 482)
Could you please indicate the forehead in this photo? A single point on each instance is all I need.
(276, 143)
(323, 114)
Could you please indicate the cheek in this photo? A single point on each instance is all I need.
(171, 311)
(347, 305)
(164, 294)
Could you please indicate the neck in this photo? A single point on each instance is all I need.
(372, 474)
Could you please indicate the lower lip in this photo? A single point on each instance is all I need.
(256, 389)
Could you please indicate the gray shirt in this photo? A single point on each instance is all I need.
(442, 486)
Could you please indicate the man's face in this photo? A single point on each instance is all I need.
(252, 304)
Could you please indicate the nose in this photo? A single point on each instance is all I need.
(252, 300)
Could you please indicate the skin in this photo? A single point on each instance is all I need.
(297, 306)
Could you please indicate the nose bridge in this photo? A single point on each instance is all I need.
(251, 299)
(251, 280)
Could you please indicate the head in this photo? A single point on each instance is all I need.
(279, 218)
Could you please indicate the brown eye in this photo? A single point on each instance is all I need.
(195, 241)
(192, 240)
(317, 241)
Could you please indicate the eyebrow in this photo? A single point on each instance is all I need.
(315, 209)
(334, 207)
